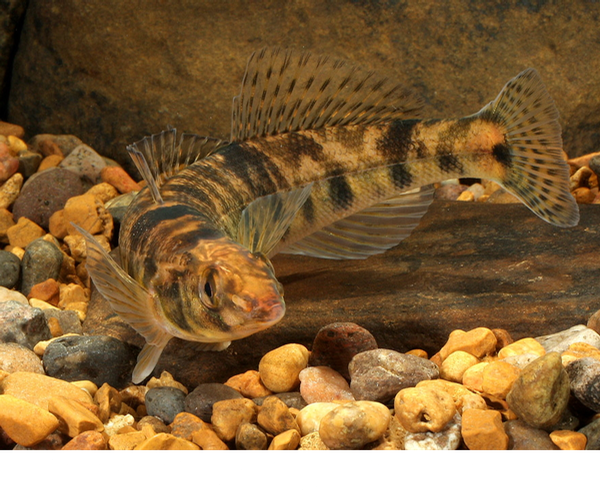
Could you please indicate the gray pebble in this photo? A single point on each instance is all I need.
(380, 374)
(592, 432)
(165, 402)
(42, 260)
(29, 162)
(67, 319)
(22, 324)
(45, 193)
(560, 342)
(86, 163)
(291, 399)
(585, 381)
(521, 436)
(10, 269)
(200, 401)
(100, 359)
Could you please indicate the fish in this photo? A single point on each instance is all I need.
(325, 159)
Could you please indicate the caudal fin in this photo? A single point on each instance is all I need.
(535, 170)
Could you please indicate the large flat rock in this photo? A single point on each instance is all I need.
(466, 265)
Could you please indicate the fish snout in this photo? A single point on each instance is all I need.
(267, 309)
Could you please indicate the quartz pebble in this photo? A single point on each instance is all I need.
(185, 424)
(279, 368)
(9, 190)
(165, 441)
(11, 295)
(323, 384)
(119, 178)
(126, 441)
(353, 425)
(498, 378)
(380, 374)
(540, 394)
(312, 441)
(522, 346)
(24, 232)
(449, 438)
(207, 439)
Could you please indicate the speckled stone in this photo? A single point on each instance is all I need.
(185, 424)
(541, 393)
(42, 260)
(380, 374)
(15, 357)
(250, 437)
(275, 417)
(336, 344)
(100, 359)
(45, 193)
(229, 414)
(279, 368)
(521, 436)
(584, 375)
(200, 401)
(165, 402)
(22, 324)
(88, 440)
(68, 320)
(424, 408)
(10, 269)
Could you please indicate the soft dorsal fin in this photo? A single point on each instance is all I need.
(286, 91)
(264, 221)
(369, 232)
(160, 156)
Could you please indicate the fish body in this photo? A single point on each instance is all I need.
(326, 160)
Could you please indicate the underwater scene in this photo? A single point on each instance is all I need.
(302, 225)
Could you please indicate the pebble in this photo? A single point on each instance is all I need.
(479, 342)
(38, 388)
(592, 434)
(45, 193)
(166, 379)
(584, 375)
(228, 415)
(11, 295)
(447, 439)
(165, 402)
(185, 424)
(462, 396)
(6, 221)
(151, 425)
(86, 162)
(42, 261)
(521, 436)
(118, 423)
(29, 162)
(323, 384)
(275, 417)
(560, 342)
(336, 344)
(521, 347)
(568, 440)
(100, 359)
(355, 424)
(104, 191)
(24, 232)
(288, 440)
(9, 190)
(207, 439)
(426, 408)
(293, 400)
(250, 437)
(73, 417)
(309, 418)
(200, 401)
(279, 368)
(47, 144)
(88, 440)
(455, 365)
(9, 164)
(579, 351)
(10, 269)
(541, 393)
(51, 161)
(249, 384)
(483, 430)
(126, 441)
(15, 357)
(498, 378)
(380, 374)
(22, 324)
(89, 213)
(119, 179)
(47, 291)
(68, 320)
(165, 441)
(7, 129)
(25, 423)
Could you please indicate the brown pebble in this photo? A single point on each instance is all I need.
(47, 291)
(275, 417)
(88, 440)
(229, 414)
(185, 424)
(250, 437)
(418, 353)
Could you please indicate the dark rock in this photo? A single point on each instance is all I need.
(380, 374)
(100, 359)
(199, 402)
(45, 193)
(250, 437)
(11, 16)
(540, 394)
(42, 260)
(22, 324)
(336, 344)
(521, 436)
(67, 319)
(29, 162)
(291, 399)
(165, 402)
(444, 51)
(10, 269)
(585, 381)
(47, 144)
(592, 432)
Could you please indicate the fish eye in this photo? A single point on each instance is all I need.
(208, 289)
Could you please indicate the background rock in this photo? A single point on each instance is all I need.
(133, 71)
(11, 16)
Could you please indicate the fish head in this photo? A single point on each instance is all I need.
(223, 292)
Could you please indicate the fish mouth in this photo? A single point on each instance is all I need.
(269, 312)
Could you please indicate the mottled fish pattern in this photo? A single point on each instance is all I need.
(325, 159)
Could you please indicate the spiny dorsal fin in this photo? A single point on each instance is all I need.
(264, 221)
(160, 156)
(286, 91)
(369, 232)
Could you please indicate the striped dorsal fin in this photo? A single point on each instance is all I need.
(286, 91)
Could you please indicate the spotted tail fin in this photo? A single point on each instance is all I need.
(531, 154)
